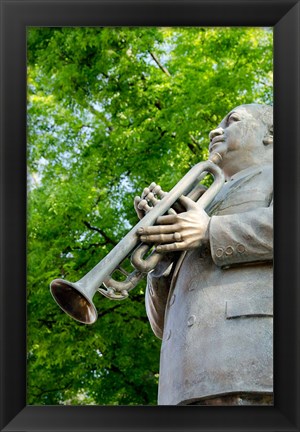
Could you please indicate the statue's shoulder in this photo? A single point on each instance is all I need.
(262, 173)
(267, 175)
(264, 169)
(267, 169)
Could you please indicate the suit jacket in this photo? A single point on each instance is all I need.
(214, 309)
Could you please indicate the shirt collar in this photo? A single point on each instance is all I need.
(245, 172)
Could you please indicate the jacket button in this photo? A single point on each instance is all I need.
(219, 252)
(229, 250)
(240, 248)
(191, 321)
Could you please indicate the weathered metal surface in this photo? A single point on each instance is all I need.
(214, 307)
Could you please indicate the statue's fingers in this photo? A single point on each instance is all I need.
(187, 202)
(136, 203)
(167, 219)
(145, 192)
(152, 186)
(158, 229)
(171, 247)
(161, 238)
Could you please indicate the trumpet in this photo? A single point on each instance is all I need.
(76, 298)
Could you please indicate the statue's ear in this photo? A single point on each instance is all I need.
(268, 139)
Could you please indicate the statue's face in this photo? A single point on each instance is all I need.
(239, 137)
(240, 129)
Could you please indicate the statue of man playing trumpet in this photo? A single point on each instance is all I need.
(209, 295)
(210, 299)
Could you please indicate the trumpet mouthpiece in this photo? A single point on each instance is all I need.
(216, 158)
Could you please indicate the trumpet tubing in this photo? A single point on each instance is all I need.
(76, 298)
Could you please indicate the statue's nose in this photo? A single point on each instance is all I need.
(215, 132)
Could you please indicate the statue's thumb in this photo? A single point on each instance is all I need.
(187, 203)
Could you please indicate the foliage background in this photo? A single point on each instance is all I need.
(109, 111)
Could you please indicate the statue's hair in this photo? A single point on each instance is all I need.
(264, 112)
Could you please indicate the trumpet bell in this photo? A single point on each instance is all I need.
(72, 300)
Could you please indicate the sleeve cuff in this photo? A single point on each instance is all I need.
(225, 251)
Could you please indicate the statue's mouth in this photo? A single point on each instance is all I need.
(215, 141)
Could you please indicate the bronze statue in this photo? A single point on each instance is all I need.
(209, 294)
(210, 299)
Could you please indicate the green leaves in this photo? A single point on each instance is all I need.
(109, 111)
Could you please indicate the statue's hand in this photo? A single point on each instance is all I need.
(183, 231)
(149, 198)
(141, 213)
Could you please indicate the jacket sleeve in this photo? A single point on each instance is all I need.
(242, 238)
(157, 291)
(156, 299)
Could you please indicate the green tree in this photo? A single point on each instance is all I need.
(109, 111)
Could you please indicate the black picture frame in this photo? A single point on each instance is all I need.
(16, 16)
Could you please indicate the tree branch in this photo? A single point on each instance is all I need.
(101, 232)
(163, 68)
(52, 390)
(194, 146)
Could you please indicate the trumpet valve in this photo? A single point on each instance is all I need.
(143, 205)
(157, 190)
(151, 198)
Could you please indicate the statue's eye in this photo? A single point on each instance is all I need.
(233, 118)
